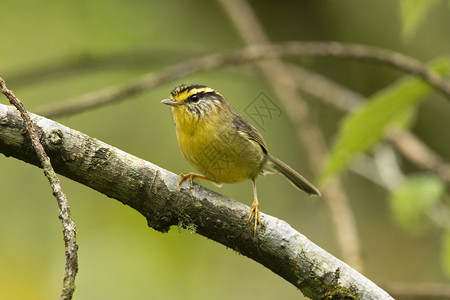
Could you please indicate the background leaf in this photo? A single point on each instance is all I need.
(367, 125)
(413, 199)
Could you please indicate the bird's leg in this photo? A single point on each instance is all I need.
(254, 210)
(191, 177)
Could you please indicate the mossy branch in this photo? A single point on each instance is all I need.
(151, 191)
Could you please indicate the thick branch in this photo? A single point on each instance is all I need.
(150, 190)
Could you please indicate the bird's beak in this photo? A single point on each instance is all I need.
(170, 102)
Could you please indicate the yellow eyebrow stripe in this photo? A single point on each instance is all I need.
(180, 96)
(199, 90)
(183, 93)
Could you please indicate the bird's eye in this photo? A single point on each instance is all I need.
(195, 98)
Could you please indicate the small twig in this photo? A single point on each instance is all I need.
(253, 53)
(419, 153)
(325, 89)
(338, 96)
(69, 230)
(88, 62)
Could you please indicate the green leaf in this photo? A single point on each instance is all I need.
(413, 13)
(405, 119)
(414, 198)
(366, 126)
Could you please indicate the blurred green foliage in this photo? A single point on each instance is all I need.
(413, 200)
(362, 129)
(52, 51)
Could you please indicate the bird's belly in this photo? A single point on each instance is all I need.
(222, 159)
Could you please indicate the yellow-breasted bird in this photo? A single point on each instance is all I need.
(222, 145)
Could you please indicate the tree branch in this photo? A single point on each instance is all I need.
(249, 54)
(408, 144)
(69, 229)
(150, 190)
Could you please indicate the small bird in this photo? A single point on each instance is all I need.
(222, 145)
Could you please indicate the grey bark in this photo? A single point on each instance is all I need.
(150, 190)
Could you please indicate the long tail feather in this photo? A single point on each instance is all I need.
(295, 178)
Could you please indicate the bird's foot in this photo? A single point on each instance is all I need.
(191, 177)
(255, 211)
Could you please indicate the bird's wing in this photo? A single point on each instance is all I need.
(248, 131)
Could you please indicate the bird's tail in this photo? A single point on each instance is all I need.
(296, 179)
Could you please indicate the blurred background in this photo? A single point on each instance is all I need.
(52, 51)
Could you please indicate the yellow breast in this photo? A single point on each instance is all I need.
(216, 149)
